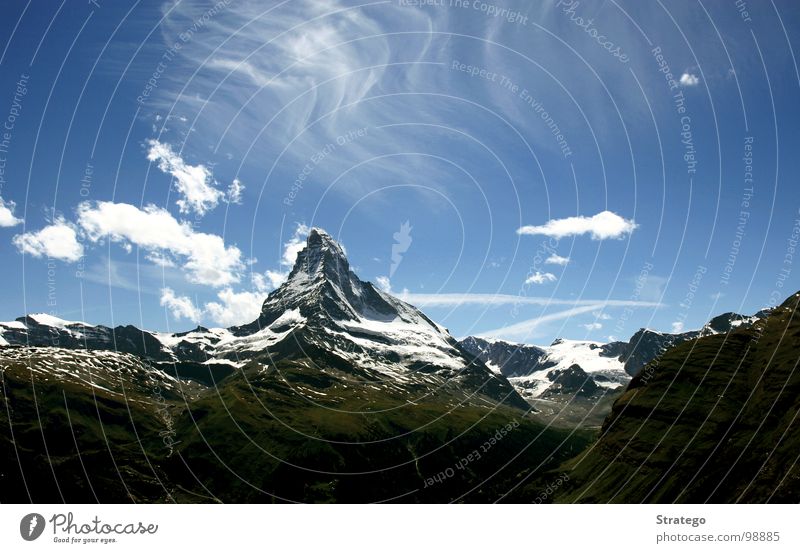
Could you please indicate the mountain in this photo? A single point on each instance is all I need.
(646, 345)
(597, 372)
(569, 383)
(713, 419)
(506, 358)
(45, 330)
(337, 392)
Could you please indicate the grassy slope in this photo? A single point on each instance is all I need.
(74, 446)
(257, 439)
(714, 419)
(285, 446)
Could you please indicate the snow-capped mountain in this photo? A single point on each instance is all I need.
(589, 367)
(323, 305)
(565, 366)
(326, 315)
(506, 358)
(323, 315)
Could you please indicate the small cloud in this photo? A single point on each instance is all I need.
(601, 316)
(540, 278)
(259, 282)
(181, 307)
(7, 218)
(556, 259)
(677, 327)
(58, 241)
(234, 194)
(592, 326)
(384, 284)
(602, 226)
(194, 183)
(290, 250)
(235, 308)
(689, 79)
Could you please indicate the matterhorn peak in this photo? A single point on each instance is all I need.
(322, 258)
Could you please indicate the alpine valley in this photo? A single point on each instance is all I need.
(340, 392)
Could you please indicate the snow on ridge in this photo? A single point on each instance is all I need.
(585, 353)
(50, 320)
(290, 316)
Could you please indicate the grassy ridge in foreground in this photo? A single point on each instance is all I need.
(260, 435)
(714, 419)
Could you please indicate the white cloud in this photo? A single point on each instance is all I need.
(601, 316)
(235, 308)
(276, 278)
(677, 327)
(58, 240)
(195, 183)
(556, 259)
(205, 257)
(7, 218)
(181, 307)
(540, 278)
(689, 79)
(290, 250)
(234, 195)
(602, 226)
(259, 282)
(592, 326)
(384, 284)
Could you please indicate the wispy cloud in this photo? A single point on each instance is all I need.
(457, 300)
(525, 329)
(556, 259)
(194, 183)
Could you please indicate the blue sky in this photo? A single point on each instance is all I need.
(573, 169)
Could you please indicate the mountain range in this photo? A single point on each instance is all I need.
(336, 392)
(574, 382)
(339, 391)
